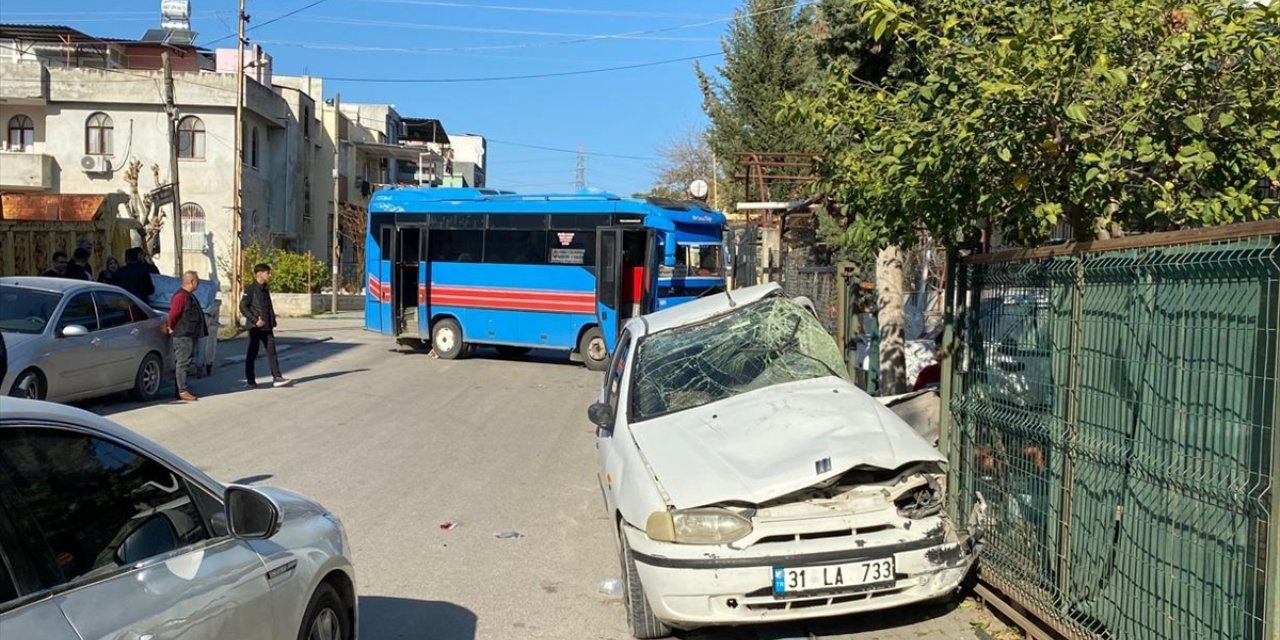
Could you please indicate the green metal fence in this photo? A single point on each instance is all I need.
(1111, 417)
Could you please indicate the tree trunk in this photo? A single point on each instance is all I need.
(893, 321)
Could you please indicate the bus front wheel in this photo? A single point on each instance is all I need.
(594, 352)
(446, 339)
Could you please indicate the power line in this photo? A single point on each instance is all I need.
(271, 21)
(465, 29)
(369, 49)
(531, 76)
(579, 12)
(574, 151)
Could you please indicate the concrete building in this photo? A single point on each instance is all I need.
(78, 111)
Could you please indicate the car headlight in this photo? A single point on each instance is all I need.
(697, 526)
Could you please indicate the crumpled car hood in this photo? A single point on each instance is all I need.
(771, 442)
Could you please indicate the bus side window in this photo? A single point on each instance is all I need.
(456, 245)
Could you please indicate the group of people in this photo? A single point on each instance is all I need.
(186, 322)
(134, 276)
(186, 325)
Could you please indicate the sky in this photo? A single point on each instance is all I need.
(620, 118)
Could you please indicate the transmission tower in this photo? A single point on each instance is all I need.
(581, 182)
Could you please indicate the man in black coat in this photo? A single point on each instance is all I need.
(256, 308)
(79, 268)
(134, 276)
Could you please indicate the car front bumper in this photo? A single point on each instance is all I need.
(691, 586)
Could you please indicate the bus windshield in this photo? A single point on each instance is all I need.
(696, 261)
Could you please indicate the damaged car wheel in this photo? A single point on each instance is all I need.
(640, 618)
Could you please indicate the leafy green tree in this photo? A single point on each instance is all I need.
(1149, 114)
(768, 52)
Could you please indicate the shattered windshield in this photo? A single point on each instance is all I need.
(771, 342)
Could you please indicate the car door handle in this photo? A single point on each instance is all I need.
(133, 331)
(95, 342)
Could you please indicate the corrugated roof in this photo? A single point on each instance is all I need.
(44, 32)
(425, 130)
(42, 207)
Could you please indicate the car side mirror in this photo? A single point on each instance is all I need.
(74, 330)
(251, 515)
(601, 415)
(153, 537)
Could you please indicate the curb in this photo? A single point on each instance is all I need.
(279, 350)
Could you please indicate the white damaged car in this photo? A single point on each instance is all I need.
(749, 481)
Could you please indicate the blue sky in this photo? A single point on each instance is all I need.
(620, 113)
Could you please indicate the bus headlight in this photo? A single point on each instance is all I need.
(697, 526)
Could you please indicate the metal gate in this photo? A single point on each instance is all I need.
(1114, 405)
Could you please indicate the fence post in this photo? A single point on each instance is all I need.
(1072, 420)
(947, 354)
(1271, 610)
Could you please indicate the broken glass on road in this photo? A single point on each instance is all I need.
(770, 342)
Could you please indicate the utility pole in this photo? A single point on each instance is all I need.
(337, 176)
(581, 182)
(175, 218)
(715, 182)
(237, 269)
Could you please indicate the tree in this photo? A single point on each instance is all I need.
(140, 208)
(1147, 113)
(685, 158)
(768, 52)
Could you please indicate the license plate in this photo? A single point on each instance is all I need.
(832, 577)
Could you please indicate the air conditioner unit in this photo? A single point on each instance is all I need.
(95, 164)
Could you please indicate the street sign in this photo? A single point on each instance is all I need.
(162, 196)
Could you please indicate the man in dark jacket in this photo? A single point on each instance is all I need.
(256, 308)
(79, 268)
(186, 325)
(59, 266)
(134, 276)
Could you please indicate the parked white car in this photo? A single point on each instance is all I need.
(105, 534)
(750, 481)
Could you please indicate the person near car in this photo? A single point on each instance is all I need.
(186, 325)
(256, 308)
(135, 276)
(59, 266)
(79, 268)
(108, 273)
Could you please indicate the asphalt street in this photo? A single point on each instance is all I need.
(397, 443)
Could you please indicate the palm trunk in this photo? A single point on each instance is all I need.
(893, 321)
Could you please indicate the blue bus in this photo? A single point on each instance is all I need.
(453, 269)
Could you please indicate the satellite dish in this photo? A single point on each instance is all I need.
(698, 189)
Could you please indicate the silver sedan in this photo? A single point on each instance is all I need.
(74, 339)
(108, 535)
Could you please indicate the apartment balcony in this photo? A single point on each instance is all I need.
(25, 171)
(23, 83)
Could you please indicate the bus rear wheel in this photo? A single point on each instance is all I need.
(446, 339)
(592, 348)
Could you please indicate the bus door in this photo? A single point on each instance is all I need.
(380, 286)
(424, 287)
(406, 282)
(626, 277)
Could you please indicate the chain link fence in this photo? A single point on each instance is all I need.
(1112, 420)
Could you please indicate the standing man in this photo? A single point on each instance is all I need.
(79, 268)
(134, 276)
(186, 325)
(59, 268)
(256, 308)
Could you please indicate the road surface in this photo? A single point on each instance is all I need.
(396, 443)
